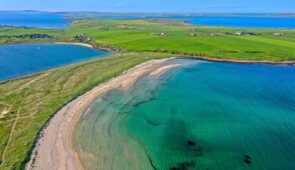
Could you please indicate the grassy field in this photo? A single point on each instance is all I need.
(31, 101)
(141, 35)
(144, 35)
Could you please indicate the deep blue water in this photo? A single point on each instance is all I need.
(19, 60)
(51, 20)
(244, 22)
(33, 19)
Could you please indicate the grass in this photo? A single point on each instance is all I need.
(34, 99)
(141, 35)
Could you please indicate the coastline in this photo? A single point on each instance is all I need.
(214, 59)
(86, 45)
(81, 44)
(57, 134)
(42, 71)
(238, 61)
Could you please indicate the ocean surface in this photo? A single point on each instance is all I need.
(241, 22)
(54, 20)
(226, 21)
(20, 60)
(206, 115)
(33, 19)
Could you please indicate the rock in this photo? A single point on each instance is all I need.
(247, 161)
(191, 143)
(247, 157)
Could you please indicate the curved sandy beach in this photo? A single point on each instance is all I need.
(81, 44)
(54, 149)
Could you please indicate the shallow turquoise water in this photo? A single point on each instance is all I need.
(20, 60)
(208, 115)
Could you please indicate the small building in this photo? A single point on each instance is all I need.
(163, 34)
(278, 34)
(245, 33)
(195, 35)
(82, 37)
(238, 33)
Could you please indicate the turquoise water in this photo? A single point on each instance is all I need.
(20, 60)
(215, 116)
(33, 19)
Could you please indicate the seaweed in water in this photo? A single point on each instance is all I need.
(191, 143)
(150, 122)
(247, 159)
(184, 166)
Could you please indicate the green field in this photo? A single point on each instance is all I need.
(144, 35)
(32, 100)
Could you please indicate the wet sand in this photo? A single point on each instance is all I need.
(54, 149)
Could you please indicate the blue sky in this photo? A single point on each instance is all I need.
(183, 6)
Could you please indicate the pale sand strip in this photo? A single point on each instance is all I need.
(82, 44)
(164, 69)
(54, 149)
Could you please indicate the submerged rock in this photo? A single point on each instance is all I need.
(247, 161)
(191, 143)
(184, 165)
(247, 157)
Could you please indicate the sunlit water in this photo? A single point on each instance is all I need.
(241, 22)
(216, 116)
(20, 60)
(33, 19)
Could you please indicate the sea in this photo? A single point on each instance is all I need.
(33, 19)
(206, 115)
(58, 21)
(23, 59)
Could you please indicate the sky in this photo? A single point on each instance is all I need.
(170, 6)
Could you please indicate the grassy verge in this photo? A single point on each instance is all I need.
(33, 100)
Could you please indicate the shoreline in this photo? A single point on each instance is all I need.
(43, 71)
(238, 61)
(85, 45)
(57, 133)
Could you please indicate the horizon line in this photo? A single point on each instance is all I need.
(30, 10)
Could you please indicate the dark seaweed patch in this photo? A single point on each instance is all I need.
(247, 161)
(247, 157)
(184, 165)
(191, 143)
(151, 122)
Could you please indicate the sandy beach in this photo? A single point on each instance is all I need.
(86, 45)
(54, 149)
(82, 44)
